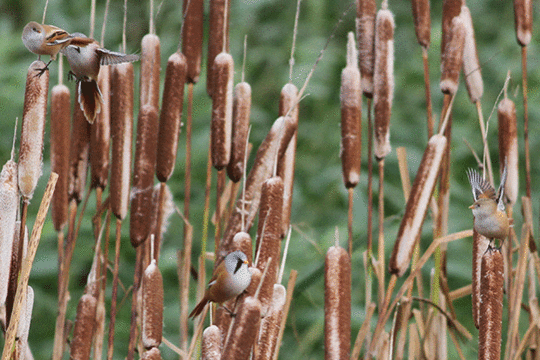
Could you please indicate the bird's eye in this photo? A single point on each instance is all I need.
(36, 29)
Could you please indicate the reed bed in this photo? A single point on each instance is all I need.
(431, 270)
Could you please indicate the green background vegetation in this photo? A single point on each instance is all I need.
(320, 198)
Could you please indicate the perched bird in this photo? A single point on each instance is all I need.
(490, 219)
(44, 39)
(85, 58)
(229, 280)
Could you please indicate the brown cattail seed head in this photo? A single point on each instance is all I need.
(244, 330)
(451, 9)
(150, 70)
(78, 153)
(152, 354)
(152, 316)
(143, 175)
(422, 21)
(285, 168)
(452, 57)
(211, 343)
(100, 134)
(171, 116)
(383, 81)
(417, 204)
(60, 123)
(491, 305)
(351, 117)
(26, 318)
(337, 304)
(471, 64)
(269, 235)
(523, 12)
(508, 148)
(480, 245)
(242, 241)
(121, 134)
(365, 32)
(9, 203)
(222, 101)
(33, 129)
(193, 12)
(215, 37)
(240, 127)
(271, 324)
(81, 345)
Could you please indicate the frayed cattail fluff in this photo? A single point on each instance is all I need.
(143, 175)
(9, 204)
(240, 127)
(285, 167)
(192, 37)
(152, 354)
(417, 205)
(480, 245)
(365, 33)
(81, 344)
(523, 12)
(452, 57)
(152, 315)
(150, 70)
(60, 122)
(78, 153)
(244, 330)
(33, 129)
(170, 119)
(121, 134)
(167, 208)
(508, 148)
(222, 108)
(337, 303)
(491, 305)
(383, 81)
(351, 117)
(100, 134)
(270, 325)
(451, 9)
(471, 64)
(211, 343)
(215, 37)
(24, 322)
(422, 21)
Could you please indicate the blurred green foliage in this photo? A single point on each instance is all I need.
(320, 198)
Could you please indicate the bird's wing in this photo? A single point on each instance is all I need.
(481, 188)
(500, 192)
(111, 58)
(58, 37)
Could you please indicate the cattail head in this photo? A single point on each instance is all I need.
(150, 70)
(121, 134)
(451, 9)
(211, 343)
(9, 204)
(100, 134)
(480, 245)
(491, 305)
(222, 108)
(422, 21)
(471, 64)
(337, 303)
(523, 12)
(452, 57)
(244, 330)
(240, 128)
(171, 116)
(219, 22)
(60, 122)
(270, 325)
(81, 344)
(192, 37)
(152, 316)
(33, 129)
(365, 32)
(383, 79)
(242, 241)
(508, 148)
(351, 117)
(417, 204)
(152, 354)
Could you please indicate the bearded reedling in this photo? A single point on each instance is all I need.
(44, 39)
(490, 219)
(85, 57)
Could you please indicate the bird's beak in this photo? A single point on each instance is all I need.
(246, 262)
(471, 207)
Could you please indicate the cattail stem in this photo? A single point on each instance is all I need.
(286, 307)
(380, 241)
(526, 120)
(350, 220)
(133, 331)
(114, 295)
(221, 176)
(427, 88)
(187, 178)
(369, 277)
(159, 220)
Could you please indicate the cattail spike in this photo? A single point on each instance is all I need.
(471, 64)
(365, 33)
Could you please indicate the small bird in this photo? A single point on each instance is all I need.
(490, 219)
(44, 39)
(229, 280)
(85, 58)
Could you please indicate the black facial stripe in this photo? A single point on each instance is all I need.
(238, 265)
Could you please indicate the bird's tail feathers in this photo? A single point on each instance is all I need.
(90, 99)
(199, 308)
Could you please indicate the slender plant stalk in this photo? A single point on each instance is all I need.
(114, 295)
(427, 87)
(526, 120)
